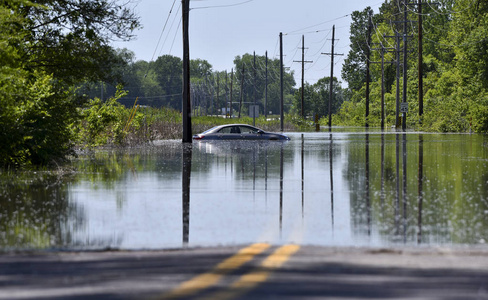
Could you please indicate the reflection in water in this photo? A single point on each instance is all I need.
(385, 188)
(302, 152)
(331, 176)
(35, 212)
(186, 175)
(397, 181)
(420, 185)
(404, 194)
(281, 190)
(367, 199)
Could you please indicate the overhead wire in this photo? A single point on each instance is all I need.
(222, 6)
(174, 38)
(177, 17)
(162, 31)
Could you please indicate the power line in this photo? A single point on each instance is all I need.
(222, 6)
(162, 31)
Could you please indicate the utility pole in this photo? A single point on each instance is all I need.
(231, 86)
(405, 66)
(226, 92)
(212, 81)
(242, 89)
(420, 62)
(266, 89)
(397, 125)
(382, 88)
(382, 50)
(186, 101)
(368, 55)
(254, 91)
(303, 75)
(217, 102)
(281, 82)
(331, 76)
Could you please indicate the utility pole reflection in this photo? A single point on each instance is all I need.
(303, 175)
(420, 179)
(331, 183)
(368, 202)
(382, 189)
(404, 196)
(281, 190)
(397, 195)
(186, 174)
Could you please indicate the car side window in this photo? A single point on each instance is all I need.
(248, 130)
(235, 129)
(231, 129)
(225, 130)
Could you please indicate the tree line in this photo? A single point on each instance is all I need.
(454, 65)
(159, 84)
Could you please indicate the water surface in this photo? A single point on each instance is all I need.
(344, 188)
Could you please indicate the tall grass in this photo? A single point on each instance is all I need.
(148, 124)
(165, 123)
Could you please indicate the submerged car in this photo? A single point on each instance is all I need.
(239, 132)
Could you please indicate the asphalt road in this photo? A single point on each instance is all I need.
(258, 271)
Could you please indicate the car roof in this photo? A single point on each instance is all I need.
(230, 125)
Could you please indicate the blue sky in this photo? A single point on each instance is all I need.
(220, 30)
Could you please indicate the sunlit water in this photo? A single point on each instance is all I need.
(345, 188)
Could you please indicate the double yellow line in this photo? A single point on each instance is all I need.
(245, 283)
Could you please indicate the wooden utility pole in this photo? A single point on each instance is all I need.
(382, 50)
(186, 101)
(266, 89)
(405, 62)
(231, 86)
(217, 102)
(254, 91)
(368, 55)
(331, 75)
(281, 83)
(242, 89)
(303, 75)
(397, 123)
(420, 62)
(382, 88)
(226, 100)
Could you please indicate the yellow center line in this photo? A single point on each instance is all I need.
(206, 280)
(251, 280)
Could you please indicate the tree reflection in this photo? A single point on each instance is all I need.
(425, 190)
(35, 212)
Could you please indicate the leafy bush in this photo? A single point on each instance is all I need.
(105, 122)
(35, 119)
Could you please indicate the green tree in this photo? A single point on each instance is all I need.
(45, 47)
(316, 98)
(71, 38)
(354, 68)
(168, 71)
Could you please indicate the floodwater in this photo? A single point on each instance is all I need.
(343, 188)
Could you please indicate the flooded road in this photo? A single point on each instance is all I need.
(344, 188)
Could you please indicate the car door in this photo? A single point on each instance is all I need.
(230, 133)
